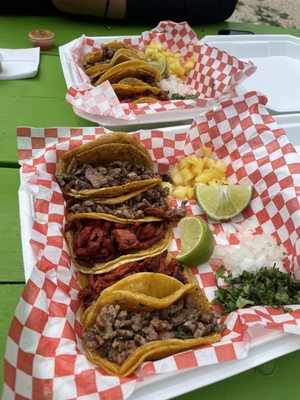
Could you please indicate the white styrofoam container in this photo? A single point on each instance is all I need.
(277, 58)
(265, 344)
(72, 78)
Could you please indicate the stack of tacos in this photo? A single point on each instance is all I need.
(119, 226)
(131, 76)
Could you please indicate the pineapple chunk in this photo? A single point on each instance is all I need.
(221, 166)
(198, 168)
(206, 151)
(180, 192)
(176, 176)
(193, 159)
(190, 192)
(187, 175)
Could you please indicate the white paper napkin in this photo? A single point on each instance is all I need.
(19, 63)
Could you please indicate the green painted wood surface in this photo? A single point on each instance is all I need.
(9, 295)
(38, 101)
(275, 380)
(11, 269)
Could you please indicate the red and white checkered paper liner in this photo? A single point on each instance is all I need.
(44, 357)
(215, 74)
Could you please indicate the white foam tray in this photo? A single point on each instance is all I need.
(73, 78)
(277, 58)
(265, 344)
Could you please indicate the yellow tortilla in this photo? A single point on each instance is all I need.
(134, 68)
(118, 146)
(147, 99)
(123, 197)
(82, 279)
(140, 292)
(119, 57)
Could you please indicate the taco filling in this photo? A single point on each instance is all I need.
(160, 264)
(151, 202)
(116, 173)
(99, 241)
(105, 55)
(117, 333)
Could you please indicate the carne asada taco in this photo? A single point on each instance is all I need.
(101, 244)
(91, 286)
(110, 166)
(150, 204)
(146, 316)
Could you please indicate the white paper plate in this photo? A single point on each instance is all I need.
(277, 58)
(265, 344)
(19, 63)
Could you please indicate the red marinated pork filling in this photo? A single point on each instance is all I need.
(97, 283)
(97, 241)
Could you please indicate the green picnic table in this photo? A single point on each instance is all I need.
(40, 102)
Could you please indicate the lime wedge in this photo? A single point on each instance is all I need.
(160, 64)
(222, 202)
(197, 241)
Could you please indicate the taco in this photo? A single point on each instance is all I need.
(104, 54)
(91, 286)
(120, 56)
(131, 86)
(131, 69)
(146, 204)
(98, 243)
(110, 166)
(146, 316)
(146, 99)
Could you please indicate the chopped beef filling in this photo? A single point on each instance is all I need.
(117, 333)
(116, 173)
(96, 241)
(150, 202)
(107, 55)
(97, 283)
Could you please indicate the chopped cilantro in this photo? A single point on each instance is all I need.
(220, 327)
(177, 96)
(268, 286)
(181, 334)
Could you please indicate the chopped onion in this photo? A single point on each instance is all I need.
(175, 85)
(253, 252)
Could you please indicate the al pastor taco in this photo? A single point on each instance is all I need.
(110, 166)
(91, 286)
(98, 243)
(146, 316)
